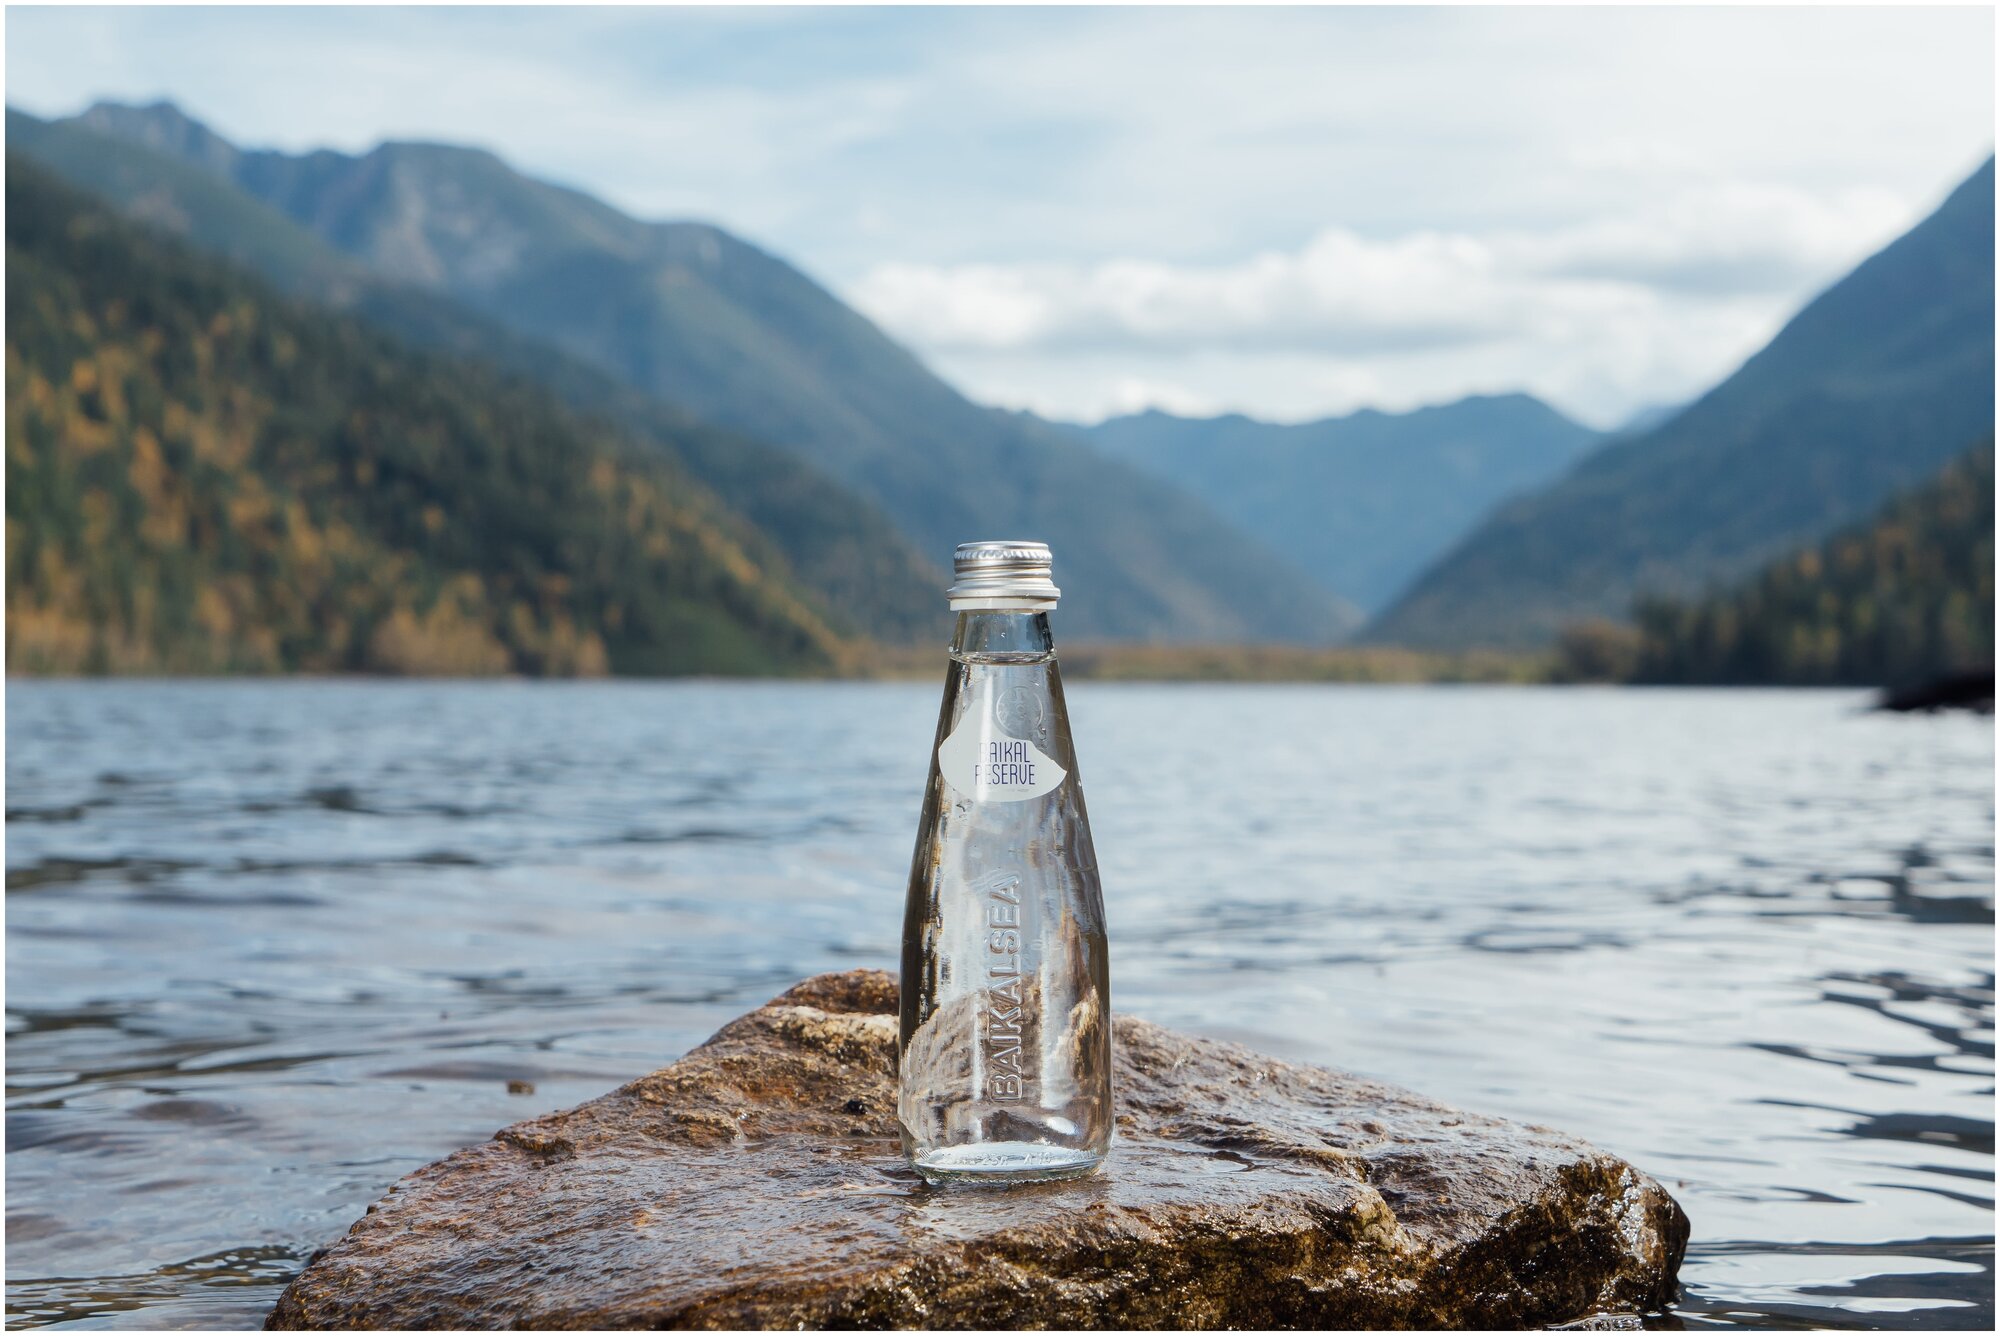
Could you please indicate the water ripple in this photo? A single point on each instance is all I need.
(273, 944)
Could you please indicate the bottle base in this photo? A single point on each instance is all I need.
(1002, 1163)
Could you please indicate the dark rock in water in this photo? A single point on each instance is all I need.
(757, 1182)
(1968, 690)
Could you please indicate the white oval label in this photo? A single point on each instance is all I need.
(984, 764)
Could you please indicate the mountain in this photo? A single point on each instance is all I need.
(737, 337)
(1362, 502)
(1866, 392)
(1905, 598)
(836, 543)
(204, 475)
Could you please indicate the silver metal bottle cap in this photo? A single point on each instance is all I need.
(1002, 574)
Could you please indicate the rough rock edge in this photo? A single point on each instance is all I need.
(1367, 1239)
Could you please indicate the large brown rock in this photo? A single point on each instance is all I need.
(757, 1182)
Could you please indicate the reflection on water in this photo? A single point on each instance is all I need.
(271, 945)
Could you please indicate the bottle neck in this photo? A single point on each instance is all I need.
(1002, 636)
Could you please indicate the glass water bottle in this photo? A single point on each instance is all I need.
(1005, 1052)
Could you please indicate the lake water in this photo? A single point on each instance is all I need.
(272, 945)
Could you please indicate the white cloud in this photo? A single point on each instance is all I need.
(1133, 394)
(1725, 237)
(1342, 292)
(1597, 376)
(1600, 315)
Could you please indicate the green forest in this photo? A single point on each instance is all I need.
(1905, 597)
(204, 476)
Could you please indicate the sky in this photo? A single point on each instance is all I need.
(1290, 213)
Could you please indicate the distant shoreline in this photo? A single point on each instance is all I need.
(1087, 662)
(1372, 665)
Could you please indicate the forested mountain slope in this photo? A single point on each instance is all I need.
(1905, 597)
(204, 475)
(839, 545)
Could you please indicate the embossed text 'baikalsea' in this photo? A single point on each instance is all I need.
(1006, 1048)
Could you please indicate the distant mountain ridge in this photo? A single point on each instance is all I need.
(1363, 502)
(739, 338)
(1867, 391)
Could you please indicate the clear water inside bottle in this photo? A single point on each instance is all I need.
(1005, 1055)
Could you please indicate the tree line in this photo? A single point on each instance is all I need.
(1902, 598)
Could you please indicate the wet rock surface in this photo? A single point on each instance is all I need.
(757, 1182)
